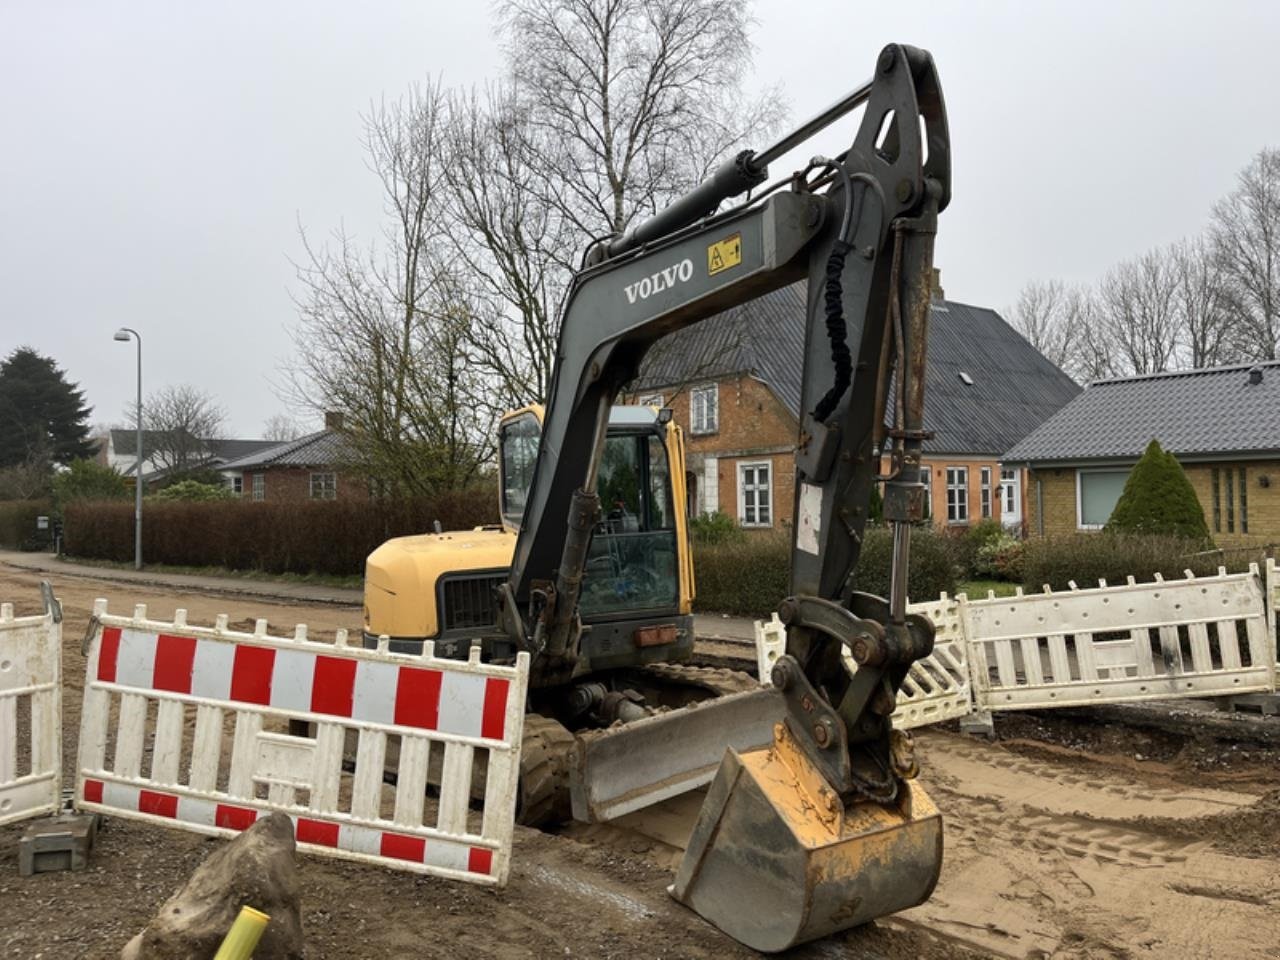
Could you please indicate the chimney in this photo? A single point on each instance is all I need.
(333, 420)
(938, 293)
(1255, 375)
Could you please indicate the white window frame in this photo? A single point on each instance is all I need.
(984, 492)
(743, 467)
(236, 483)
(958, 508)
(651, 400)
(259, 486)
(926, 478)
(327, 492)
(1080, 524)
(710, 420)
(1009, 492)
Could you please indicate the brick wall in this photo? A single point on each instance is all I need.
(1263, 503)
(753, 426)
(938, 490)
(294, 483)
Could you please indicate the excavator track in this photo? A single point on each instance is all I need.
(718, 681)
(545, 755)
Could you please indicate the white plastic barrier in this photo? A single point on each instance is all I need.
(1181, 638)
(937, 688)
(30, 712)
(186, 726)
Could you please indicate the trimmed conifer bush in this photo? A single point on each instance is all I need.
(1159, 499)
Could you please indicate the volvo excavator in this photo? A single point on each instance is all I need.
(813, 821)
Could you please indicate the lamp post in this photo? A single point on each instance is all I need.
(123, 335)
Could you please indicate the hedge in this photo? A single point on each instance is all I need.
(747, 577)
(1087, 558)
(312, 536)
(18, 524)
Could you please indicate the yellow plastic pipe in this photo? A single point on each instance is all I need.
(243, 936)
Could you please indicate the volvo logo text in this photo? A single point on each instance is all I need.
(657, 282)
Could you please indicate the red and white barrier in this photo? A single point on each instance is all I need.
(30, 712)
(217, 755)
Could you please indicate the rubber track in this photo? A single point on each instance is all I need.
(716, 680)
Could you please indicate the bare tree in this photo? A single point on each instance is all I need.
(512, 249)
(1139, 314)
(282, 427)
(178, 423)
(1246, 236)
(634, 99)
(1202, 299)
(377, 335)
(1040, 315)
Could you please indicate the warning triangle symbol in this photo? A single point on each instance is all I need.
(716, 262)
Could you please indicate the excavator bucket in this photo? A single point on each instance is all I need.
(776, 859)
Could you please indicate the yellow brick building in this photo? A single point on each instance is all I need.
(1222, 424)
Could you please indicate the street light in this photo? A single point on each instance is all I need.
(123, 335)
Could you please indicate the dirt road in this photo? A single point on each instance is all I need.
(1109, 846)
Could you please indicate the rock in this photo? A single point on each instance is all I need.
(256, 869)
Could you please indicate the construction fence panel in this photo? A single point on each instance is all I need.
(206, 729)
(936, 688)
(1196, 637)
(30, 712)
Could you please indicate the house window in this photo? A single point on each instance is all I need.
(755, 494)
(651, 400)
(926, 477)
(1009, 490)
(324, 486)
(985, 492)
(704, 409)
(957, 494)
(1223, 483)
(236, 484)
(259, 486)
(1097, 493)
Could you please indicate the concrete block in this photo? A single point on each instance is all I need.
(980, 723)
(57, 843)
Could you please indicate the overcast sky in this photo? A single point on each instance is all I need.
(157, 158)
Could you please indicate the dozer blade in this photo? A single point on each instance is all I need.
(775, 858)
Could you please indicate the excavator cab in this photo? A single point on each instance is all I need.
(639, 574)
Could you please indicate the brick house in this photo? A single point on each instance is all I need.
(733, 383)
(313, 467)
(117, 449)
(1221, 423)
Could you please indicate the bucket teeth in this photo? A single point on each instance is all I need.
(776, 859)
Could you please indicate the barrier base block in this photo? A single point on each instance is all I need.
(58, 843)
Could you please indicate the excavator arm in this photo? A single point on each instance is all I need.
(860, 227)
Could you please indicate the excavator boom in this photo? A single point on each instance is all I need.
(823, 828)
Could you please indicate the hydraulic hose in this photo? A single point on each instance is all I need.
(833, 298)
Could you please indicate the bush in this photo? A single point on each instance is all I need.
(965, 544)
(745, 576)
(932, 569)
(999, 559)
(310, 536)
(18, 524)
(1159, 499)
(716, 527)
(193, 491)
(748, 577)
(1087, 558)
(88, 480)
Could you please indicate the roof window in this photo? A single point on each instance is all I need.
(966, 379)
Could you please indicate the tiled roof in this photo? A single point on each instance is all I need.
(320, 449)
(1192, 413)
(1013, 389)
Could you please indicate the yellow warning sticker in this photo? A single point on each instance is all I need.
(724, 254)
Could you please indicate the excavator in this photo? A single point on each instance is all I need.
(813, 821)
